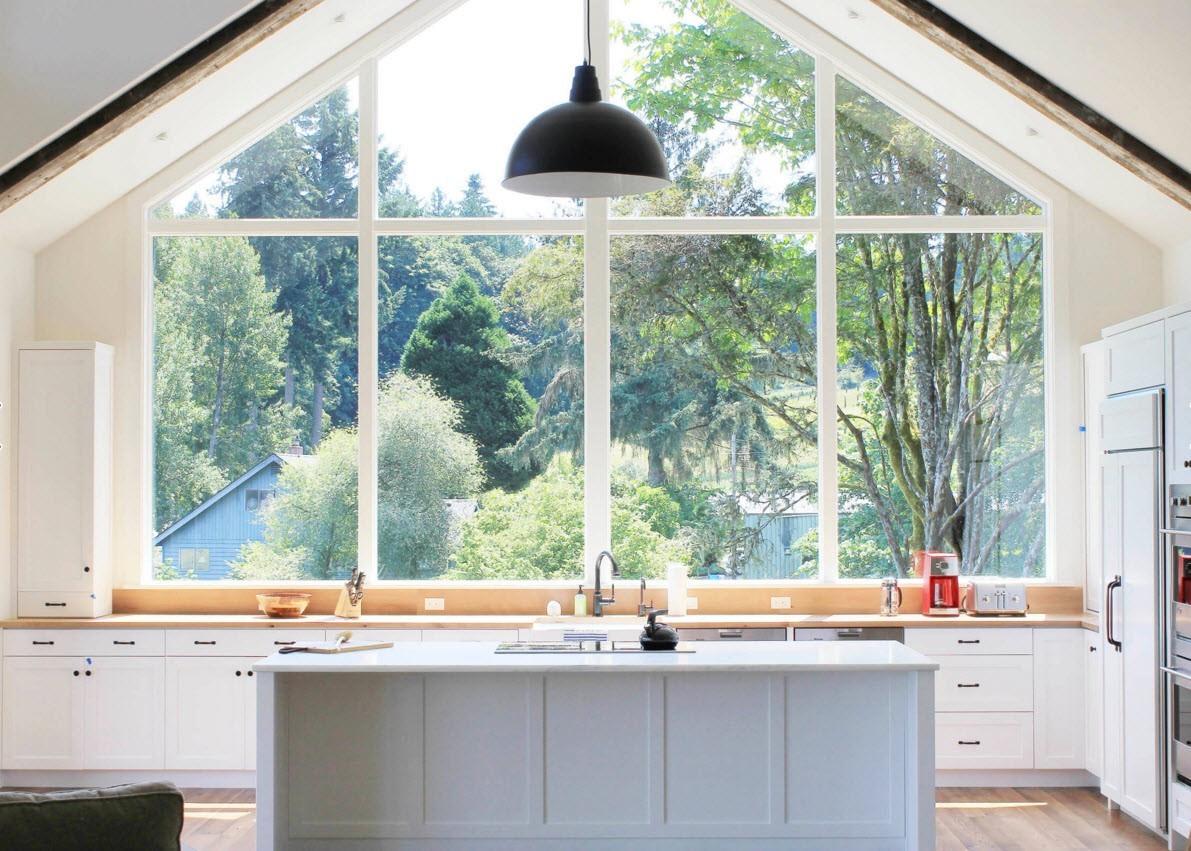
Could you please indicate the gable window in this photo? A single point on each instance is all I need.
(820, 350)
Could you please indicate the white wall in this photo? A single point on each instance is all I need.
(16, 326)
(1177, 274)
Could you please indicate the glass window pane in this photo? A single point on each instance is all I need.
(255, 367)
(481, 408)
(887, 165)
(305, 169)
(941, 402)
(455, 96)
(731, 101)
(715, 460)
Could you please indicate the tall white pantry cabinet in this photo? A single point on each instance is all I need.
(64, 479)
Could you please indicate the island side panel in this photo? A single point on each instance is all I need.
(920, 768)
(270, 747)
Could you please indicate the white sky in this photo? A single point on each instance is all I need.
(454, 97)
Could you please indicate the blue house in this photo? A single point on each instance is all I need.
(208, 539)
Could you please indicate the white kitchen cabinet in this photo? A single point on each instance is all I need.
(984, 740)
(1178, 399)
(1093, 356)
(1132, 686)
(43, 713)
(124, 713)
(397, 636)
(1093, 702)
(1059, 698)
(469, 635)
(64, 480)
(210, 709)
(1135, 359)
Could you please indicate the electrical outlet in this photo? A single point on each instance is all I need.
(692, 602)
(437, 604)
(779, 602)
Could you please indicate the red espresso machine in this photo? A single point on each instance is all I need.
(940, 583)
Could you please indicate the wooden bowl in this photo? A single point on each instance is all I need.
(284, 605)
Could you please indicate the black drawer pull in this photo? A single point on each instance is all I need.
(125, 643)
(56, 605)
(43, 643)
(76, 673)
(967, 685)
(87, 674)
(250, 673)
(967, 641)
(205, 642)
(86, 569)
(962, 742)
(285, 643)
(239, 673)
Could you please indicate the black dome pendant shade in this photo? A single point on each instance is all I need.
(586, 148)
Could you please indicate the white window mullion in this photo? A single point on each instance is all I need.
(368, 322)
(597, 344)
(826, 321)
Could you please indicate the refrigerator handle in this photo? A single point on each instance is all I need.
(1112, 586)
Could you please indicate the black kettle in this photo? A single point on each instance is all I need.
(658, 636)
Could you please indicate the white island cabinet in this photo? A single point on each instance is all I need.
(453, 746)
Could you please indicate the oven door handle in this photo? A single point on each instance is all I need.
(1108, 613)
(1175, 532)
(1175, 672)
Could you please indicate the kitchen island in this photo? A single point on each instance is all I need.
(767, 745)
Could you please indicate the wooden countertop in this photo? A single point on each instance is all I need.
(1079, 619)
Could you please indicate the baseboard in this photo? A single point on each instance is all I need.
(91, 779)
(1015, 777)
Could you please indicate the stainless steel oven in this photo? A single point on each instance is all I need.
(1180, 728)
(1177, 579)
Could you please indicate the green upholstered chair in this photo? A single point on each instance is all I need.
(140, 816)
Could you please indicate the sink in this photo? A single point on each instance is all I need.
(578, 647)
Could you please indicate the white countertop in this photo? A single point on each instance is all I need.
(480, 657)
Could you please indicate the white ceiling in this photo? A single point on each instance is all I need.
(1127, 60)
(62, 59)
(1132, 67)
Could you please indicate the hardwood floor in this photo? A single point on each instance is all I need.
(1002, 819)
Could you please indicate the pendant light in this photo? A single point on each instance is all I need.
(586, 148)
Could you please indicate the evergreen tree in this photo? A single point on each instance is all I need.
(457, 345)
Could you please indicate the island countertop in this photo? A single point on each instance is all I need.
(481, 657)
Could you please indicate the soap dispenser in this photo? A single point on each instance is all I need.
(580, 603)
(658, 636)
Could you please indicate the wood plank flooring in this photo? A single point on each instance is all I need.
(1002, 819)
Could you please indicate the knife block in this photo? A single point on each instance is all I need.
(345, 608)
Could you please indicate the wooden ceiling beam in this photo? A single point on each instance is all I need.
(1055, 103)
(159, 88)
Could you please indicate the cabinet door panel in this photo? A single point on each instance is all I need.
(1135, 359)
(1178, 401)
(206, 717)
(124, 715)
(1094, 701)
(1059, 709)
(43, 713)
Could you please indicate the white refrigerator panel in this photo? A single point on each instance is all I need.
(1133, 421)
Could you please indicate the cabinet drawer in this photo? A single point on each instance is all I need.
(56, 604)
(984, 684)
(469, 635)
(973, 641)
(84, 642)
(255, 643)
(984, 740)
(1180, 808)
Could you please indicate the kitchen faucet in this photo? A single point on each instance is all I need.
(644, 608)
(598, 602)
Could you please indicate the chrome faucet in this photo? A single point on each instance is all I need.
(644, 608)
(598, 600)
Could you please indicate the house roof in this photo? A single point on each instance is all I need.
(278, 458)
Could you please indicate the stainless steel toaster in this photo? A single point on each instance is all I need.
(995, 597)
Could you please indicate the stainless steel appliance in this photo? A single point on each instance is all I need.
(759, 633)
(991, 597)
(891, 597)
(857, 633)
(1180, 728)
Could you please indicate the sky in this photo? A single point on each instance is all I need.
(452, 104)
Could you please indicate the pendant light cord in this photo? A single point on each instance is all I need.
(587, 30)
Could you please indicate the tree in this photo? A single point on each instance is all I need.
(423, 461)
(457, 345)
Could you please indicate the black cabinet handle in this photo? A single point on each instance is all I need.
(250, 673)
(238, 673)
(967, 641)
(284, 643)
(43, 643)
(126, 643)
(1092, 649)
(205, 642)
(87, 674)
(86, 568)
(76, 673)
(962, 742)
(1108, 612)
(967, 685)
(55, 605)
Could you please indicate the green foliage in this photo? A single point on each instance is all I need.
(457, 345)
(537, 533)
